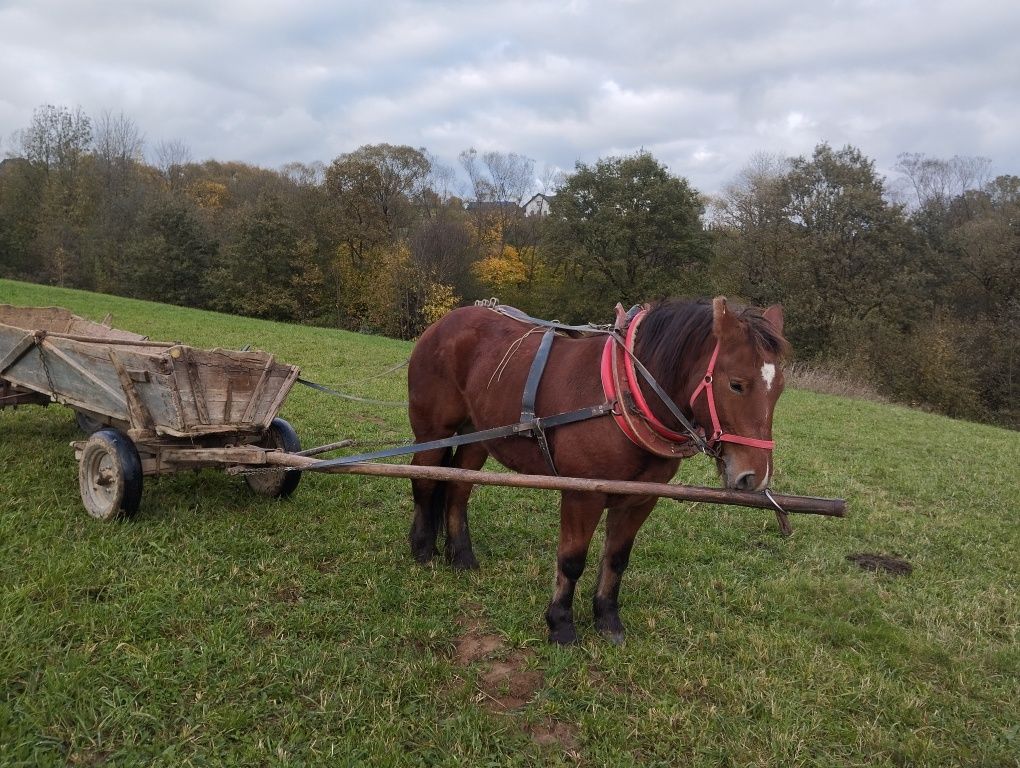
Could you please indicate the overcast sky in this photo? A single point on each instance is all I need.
(701, 85)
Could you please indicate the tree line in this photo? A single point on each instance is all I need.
(913, 285)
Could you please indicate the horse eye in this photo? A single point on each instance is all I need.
(737, 387)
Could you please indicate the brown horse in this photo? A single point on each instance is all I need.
(467, 373)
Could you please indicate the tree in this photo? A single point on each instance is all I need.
(755, 237)
(257, 269)
(628, 230)
(853, 253)
(375, 189)
(56, 145)
(171, 156)
(500, 183)
(170, 262)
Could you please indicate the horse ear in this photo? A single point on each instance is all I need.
(621, 317)
(774, 315)
(723, 320)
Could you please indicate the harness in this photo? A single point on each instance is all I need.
(620, 371)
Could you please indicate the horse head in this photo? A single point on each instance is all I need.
(737, 394)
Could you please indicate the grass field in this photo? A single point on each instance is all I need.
(220, 628)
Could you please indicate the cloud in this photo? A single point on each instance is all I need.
(702, 87)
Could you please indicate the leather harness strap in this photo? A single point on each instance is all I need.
(629, 417)
(531, 395)
(718, 436)
(621, 374)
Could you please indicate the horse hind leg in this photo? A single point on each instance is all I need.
(429, 502)
(458, 536)
(436, 417)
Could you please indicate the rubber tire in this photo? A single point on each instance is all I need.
(278, 484)
(112, 451)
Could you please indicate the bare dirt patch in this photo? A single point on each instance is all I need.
(504, 682)
(290, 594)
(892, 564)
(554, 733)
(508, 684)
(475, 646)
(328, 565)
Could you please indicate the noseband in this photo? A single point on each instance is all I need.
(647, 431)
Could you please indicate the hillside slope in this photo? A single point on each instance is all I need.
(219, 627)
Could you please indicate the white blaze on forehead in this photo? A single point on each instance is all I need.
(768, 373)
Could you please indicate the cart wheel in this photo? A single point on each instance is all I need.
(86, 423)
(277, 483)
(110, 475)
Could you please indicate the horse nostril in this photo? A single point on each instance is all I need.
(747, 481)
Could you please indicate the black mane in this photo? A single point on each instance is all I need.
(678, 330)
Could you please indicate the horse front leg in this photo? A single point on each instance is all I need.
(579, 515)
(622, 524)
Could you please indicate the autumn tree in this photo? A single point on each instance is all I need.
(627, 229)
(853, 253)
(169, 263)
(56, 144)
(755, 238)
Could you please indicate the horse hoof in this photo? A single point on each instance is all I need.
(563, 636)
(465, 561)
(423, 554)
(616, 637)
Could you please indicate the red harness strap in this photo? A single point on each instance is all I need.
(718, 436)
(642, 427)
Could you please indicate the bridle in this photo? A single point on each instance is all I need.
(675, 442)
(718, 435)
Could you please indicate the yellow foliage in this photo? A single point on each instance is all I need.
(490, 237)
(501, 271)
(209, 195)
(439, 300)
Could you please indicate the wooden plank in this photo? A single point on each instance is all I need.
(47, 346)
(256, 394)
(228, 401)
(281, 395)
(139, 342)
(17, 352)
(197, 394)
(201, 430)
(248, 454)
(141, 419)
(796, 504)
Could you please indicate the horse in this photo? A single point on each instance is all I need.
(721, 364)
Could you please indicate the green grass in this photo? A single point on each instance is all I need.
(220, 628)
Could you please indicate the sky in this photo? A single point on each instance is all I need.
(701, 85)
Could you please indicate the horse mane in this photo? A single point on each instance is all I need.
(676, 330)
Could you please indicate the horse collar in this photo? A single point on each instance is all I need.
(633, 414)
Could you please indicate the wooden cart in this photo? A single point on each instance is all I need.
(151, 407)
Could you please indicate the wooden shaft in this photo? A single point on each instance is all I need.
(800, 504)
(326, 448)
(113, 342)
